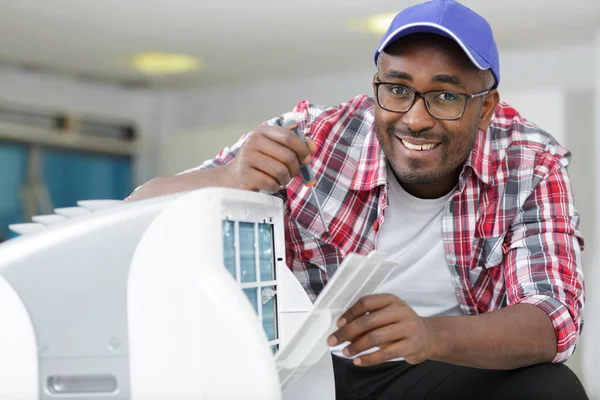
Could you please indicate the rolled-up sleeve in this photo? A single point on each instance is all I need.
(545, 258)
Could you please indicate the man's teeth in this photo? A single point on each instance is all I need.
(428, 146)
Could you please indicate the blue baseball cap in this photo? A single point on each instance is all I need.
(453, 20)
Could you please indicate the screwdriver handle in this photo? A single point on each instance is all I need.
(308, 176)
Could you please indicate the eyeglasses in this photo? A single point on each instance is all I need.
(441, 104)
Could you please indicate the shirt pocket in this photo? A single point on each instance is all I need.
(488, 252)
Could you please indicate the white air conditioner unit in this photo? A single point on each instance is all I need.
(185, 296)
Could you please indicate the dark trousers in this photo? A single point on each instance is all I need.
(433, 380)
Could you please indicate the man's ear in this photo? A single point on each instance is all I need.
(374, 87)
(487, 111)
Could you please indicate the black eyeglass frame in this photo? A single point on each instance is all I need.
(422, 95)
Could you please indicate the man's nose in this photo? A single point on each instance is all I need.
(417, 118)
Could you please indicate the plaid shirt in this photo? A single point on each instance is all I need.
(510, 230)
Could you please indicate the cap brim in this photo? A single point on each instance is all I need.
(428, 27)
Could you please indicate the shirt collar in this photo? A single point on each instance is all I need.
(479, 158)
(371, 169)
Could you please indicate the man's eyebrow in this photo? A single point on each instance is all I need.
(449, 79)
(441, 78)
(395, 74)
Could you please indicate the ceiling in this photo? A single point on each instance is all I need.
(244, 40)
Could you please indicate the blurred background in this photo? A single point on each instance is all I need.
(96, 97)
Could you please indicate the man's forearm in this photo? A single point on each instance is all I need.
(509, 338)
(180, 183)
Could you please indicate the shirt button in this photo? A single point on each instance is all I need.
(307, 254)
(376, 225)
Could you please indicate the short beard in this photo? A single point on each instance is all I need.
(415, 175)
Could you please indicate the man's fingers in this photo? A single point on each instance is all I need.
(281, 153)
(365, 325)
(365, 305)
(385, 353)
(257, 180)
(405, 348)
(380, 337)
(287, 139)
(275, 152)
(312, 147)
(271, 167)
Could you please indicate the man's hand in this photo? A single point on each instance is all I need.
(268, 159)
(512, 337)
(384, 321)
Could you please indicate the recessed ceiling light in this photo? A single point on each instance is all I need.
(377, 24)
(156, 63)
(380, 23)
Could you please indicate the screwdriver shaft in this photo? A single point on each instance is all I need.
(314, 193)
(308, 176)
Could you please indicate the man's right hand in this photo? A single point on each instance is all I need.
(268, 159)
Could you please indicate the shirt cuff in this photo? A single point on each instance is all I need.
(567, 332)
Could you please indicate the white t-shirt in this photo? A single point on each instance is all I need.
(425, 285)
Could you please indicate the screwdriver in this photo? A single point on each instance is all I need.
(308, 176)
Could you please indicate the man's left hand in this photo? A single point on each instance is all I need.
(384, 321)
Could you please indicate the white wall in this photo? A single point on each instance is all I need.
(258, 101)
(188, 149)
(567, 67)
(591, 357)
(63, 93)
(579, 124)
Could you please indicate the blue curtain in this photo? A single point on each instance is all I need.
(69, 176)
(74, 176)
(13, 170)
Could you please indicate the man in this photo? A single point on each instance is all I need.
(433, 164)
